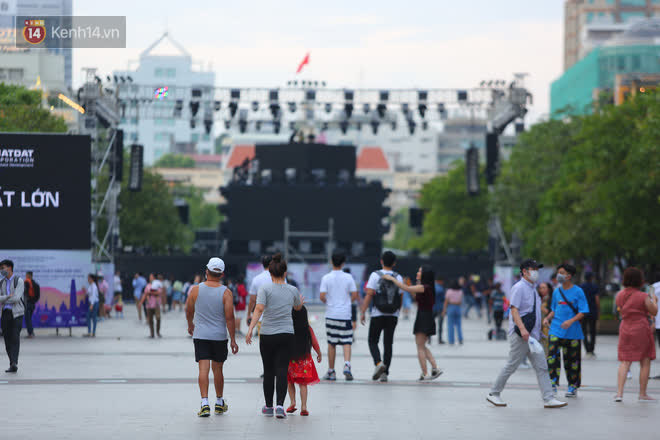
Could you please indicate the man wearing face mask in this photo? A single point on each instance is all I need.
(569, 305)
(525, 322)
(13, 307)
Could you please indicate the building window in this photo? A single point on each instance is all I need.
(134, 136)
(206, 137)
(194, 137)
(3, 74)
(628, 15)
(633, 3)
(590, 17)
(158, 72)
(134, 121)
(621, 63)
(171, 73)
(636, 62)
(15, 74)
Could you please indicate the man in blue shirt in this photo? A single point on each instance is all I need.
(439, 304)
(568, 307)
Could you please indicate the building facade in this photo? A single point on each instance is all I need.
(166, 64)
(589, 23)
(635, 52)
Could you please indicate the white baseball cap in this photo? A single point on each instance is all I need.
(216, 265)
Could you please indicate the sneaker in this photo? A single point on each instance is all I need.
(267, 411)
(435, 373)
(571, 392)
(12, 369)
(554, 403)
(421, 378)
(379, 371)
(629, 376)
(205, 411)
(618, 399)
(280, 413)
(496, 400)
(221, 409)
(347, 373)
(383, 377)
(330, 375)
(555, 390)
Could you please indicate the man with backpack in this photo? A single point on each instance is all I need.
(13, 308)
(387, 298)
(32, 295)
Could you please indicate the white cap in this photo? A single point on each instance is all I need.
(216, 265)
(156, 285)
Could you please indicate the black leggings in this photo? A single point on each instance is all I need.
(275, 355)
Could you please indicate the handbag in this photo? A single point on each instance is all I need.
(529, 320)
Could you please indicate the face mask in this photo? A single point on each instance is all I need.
(534, 275)
(561, 278)
(4, 273)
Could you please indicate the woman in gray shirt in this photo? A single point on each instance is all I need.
(275, 301)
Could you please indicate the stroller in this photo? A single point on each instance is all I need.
(495, 333)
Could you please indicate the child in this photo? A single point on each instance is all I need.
(119, 307)
(301, 367)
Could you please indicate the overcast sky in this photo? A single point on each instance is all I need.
(440, 43)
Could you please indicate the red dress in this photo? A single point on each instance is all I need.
(303, 371)
(635, 333)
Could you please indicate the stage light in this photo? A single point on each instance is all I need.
(130, 79)
(381, 109)
(276, 127)
(405, 108)
(208, 124)
(348, 109)
(425, 125)
(422, 95)
(255, 106)
(343, 125)
(227, 124)
(257, 125)
(384, 95)
(310, 95)
(422, 110)
(411, 126)
(235, 94)
(116, 79)
(217, 106)
(359, 126)
(324, 126)
(193, 124)
(462, 95)
(275, 110)
(348, 95)
(123, 79)
(393, 125)
(482, 83)
(366, 108)
(233, 108)
(292, 125)
(274, 95)
(292, 107)
(108, 78)
(374, 126)
(178, 108)
(242, 125)
(194, 107)
(328, 108)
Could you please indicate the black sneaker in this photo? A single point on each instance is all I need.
(12, 369)
(205, 411)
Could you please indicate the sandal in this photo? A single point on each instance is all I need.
(618, 399)
(304, 412)
(291, 409)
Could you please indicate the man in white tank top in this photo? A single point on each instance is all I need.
(210, 314)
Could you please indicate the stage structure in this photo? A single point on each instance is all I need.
(303, 200)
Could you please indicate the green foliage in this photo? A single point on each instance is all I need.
(454, 220)
(587, 188)
(175, 161)
(20, 111)
(149, 217)
(403, 233)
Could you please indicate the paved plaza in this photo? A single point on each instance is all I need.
(124, 385)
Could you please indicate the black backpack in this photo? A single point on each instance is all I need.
(388, 295)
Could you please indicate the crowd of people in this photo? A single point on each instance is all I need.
(548, 322)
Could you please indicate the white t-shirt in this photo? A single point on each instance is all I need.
(656, 288)
(374, 278)
(338, 285)
(117, 284)
(258, 281)
(93, 293)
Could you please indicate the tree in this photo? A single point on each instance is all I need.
(175, 161)
(403, 233)
(148, 218)
(20, 111)
(454, 220)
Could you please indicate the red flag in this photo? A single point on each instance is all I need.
(303, 63)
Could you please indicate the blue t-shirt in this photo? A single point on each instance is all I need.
(439, 298)
(563, 312)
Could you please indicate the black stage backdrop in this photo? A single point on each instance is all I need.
(45, 191)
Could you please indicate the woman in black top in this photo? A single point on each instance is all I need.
(424, 328)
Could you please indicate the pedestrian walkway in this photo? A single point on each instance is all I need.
(122, 384)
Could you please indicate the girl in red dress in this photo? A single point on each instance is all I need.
(301, 367)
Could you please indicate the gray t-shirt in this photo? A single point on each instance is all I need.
(279, 300)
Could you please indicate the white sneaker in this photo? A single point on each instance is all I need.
(629, 375)
(379, 371)
(496, 400)
(554, 403)
(383, 377)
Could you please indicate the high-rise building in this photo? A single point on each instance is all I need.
(589, 23)
(166, 64)
(9, 9)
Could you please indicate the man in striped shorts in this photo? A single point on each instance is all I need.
(338, 291)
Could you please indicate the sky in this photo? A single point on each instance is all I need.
(365, 43)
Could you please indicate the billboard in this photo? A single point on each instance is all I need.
(61, 276)
(45, 191)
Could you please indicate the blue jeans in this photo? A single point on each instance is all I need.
(92, 316)
(454, 322)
